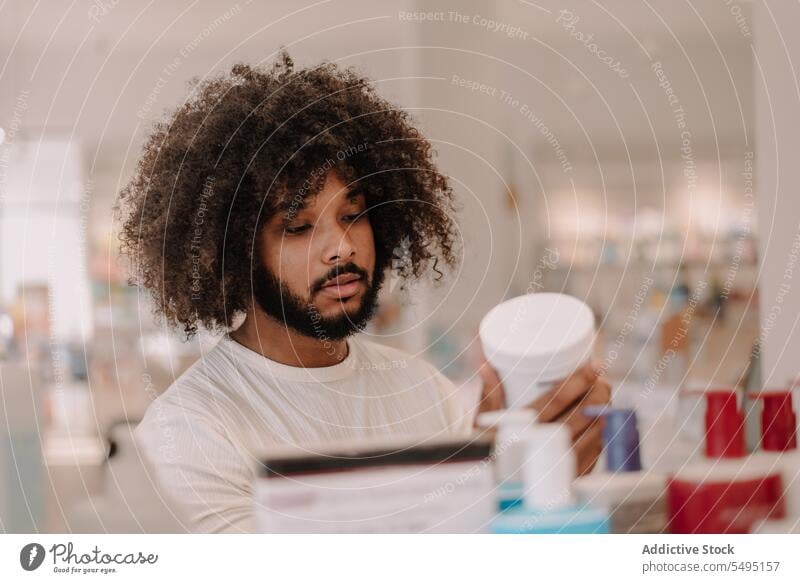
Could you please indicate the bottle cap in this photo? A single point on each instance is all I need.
(778, 421)
(549, 466)
(620, 438)
(507, 417)
(724, 425)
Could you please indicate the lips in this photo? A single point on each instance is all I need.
(342, 279)
(342, 287)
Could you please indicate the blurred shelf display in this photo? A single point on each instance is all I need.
(592, 254)
(74, 451)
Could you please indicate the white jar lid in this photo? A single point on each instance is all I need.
(548, 334)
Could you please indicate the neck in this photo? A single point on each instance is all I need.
(276, 341)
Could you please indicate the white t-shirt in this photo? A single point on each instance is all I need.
(203, 434)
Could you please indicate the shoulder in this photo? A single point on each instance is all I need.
(203, 385)
(186, 433)
(191, 403)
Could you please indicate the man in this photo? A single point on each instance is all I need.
(269, 208)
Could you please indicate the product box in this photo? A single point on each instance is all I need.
(397, 486)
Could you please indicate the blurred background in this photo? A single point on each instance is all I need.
(602, 149)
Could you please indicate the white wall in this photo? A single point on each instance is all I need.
(778, 178)
(43, 226)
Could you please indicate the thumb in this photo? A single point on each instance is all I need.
(492, 395)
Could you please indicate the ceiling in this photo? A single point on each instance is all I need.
(104, 71)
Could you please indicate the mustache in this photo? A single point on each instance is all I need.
(335, 272)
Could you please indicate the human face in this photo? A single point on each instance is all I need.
(317, 274)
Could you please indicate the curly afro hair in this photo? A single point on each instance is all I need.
(258, 141)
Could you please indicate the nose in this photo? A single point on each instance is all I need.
(338, 246)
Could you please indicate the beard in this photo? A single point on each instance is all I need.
(302, 315)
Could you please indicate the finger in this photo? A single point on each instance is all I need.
(575, 418)
(557, 400)
(492, 394)
(566, 393)
(599, 393)
(587, 447)
(488, 375)
(481, 355)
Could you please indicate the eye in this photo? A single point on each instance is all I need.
(351, 218)
(296, 230)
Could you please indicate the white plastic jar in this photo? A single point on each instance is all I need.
(535, 340)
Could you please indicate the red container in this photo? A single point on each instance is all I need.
(724, 425)
(708, 506)
(778, 421)
(728, 492)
